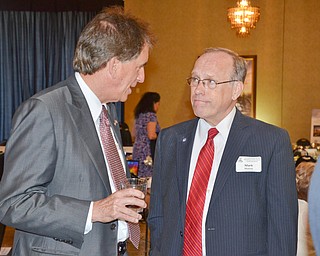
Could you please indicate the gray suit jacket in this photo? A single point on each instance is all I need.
(250, 213)
(54, 168)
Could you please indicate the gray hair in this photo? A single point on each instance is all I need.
(111, 33)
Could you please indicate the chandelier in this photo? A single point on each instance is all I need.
(244, 17)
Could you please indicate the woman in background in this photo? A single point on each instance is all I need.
(304, 170)
(146, 129)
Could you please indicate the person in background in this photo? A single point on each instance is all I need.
(314, 207)
(58, 189)
(146, 130)
(223, 183)
(304, 172)
(305, 158)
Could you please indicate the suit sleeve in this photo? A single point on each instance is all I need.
(282, 203)
(30, 163)
(155, 218)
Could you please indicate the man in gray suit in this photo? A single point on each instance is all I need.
(250, 205)
(57, 190)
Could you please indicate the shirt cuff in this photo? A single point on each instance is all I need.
(88, 227)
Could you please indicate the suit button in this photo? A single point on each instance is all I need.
(113, 226)
(181, 233)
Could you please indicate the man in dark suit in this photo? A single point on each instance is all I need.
(250, 204)
(57, 190)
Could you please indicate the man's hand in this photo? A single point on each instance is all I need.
(114, 207)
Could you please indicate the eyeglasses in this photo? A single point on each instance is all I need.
(207, 83)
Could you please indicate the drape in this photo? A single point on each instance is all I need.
(36, 51)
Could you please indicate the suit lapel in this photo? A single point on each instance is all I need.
(81, 117)
(232, 151)
(184, 151)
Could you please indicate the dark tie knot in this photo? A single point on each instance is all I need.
(212, 133)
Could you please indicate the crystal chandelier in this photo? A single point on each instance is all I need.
(244, 17)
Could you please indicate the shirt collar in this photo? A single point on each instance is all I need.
(223, 127)
(94, 103)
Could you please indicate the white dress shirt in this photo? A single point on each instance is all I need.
(95, 107)
(219, 144)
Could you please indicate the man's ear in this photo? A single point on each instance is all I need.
(113, 67)
(237, 90)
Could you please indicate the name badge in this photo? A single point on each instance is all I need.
(248, 164)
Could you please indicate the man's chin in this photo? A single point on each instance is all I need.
(199, 112)
(124, 98)
(125, 95)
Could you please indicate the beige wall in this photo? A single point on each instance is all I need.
(286, 45)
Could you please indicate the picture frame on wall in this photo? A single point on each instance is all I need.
(247, 101)
(315, 126)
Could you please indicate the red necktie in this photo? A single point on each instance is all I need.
(197, 195)
(116, 167)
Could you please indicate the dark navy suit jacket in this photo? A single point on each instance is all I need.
(250, 213)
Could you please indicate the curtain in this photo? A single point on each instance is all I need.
(36, 51)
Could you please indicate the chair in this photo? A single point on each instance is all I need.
(303, 142)
(305, 159)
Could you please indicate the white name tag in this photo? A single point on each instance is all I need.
(248, 164)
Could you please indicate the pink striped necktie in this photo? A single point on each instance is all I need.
(197, 195)
(116, 167)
